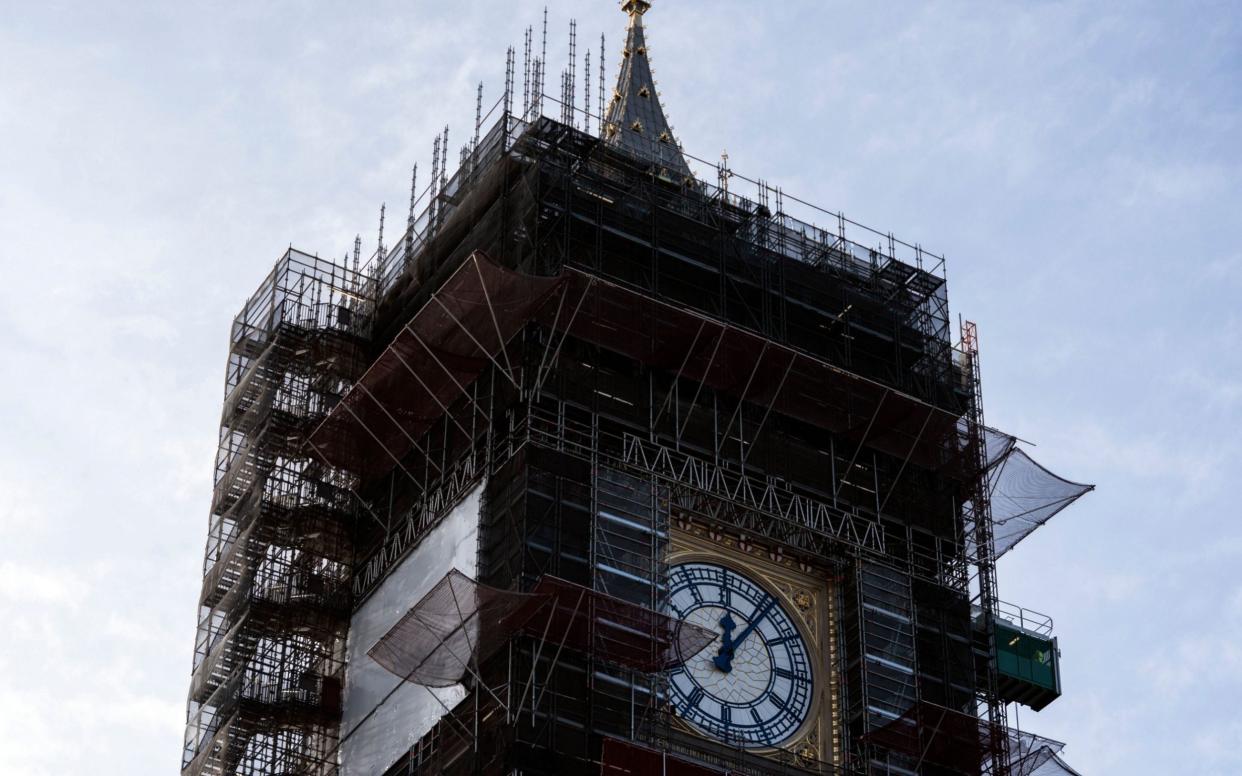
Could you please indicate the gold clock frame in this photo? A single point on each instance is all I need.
(808, 596)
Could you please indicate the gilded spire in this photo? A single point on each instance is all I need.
(634, 120)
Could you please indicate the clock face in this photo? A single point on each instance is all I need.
(752, 686)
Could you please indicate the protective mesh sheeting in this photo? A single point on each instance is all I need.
(888, 641)
(623, 758)
(961, 741)
(1025, 495)
(1029, 754)
(443, 349)
(1023, 744)
(482, 306)
(382, 715)
(1051, 766)
(997, 445)
(615, 630)
(457, 623)
(460, 623)
(938, 735)
(1031, 763)
(754, 368)
(1043, 761)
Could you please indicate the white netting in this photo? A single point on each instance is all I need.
(1032, 755)
(1042, 762)
(1024, 496)
(997, 445)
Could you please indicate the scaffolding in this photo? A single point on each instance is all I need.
(611, 353)
(265, 693)
(608, 440)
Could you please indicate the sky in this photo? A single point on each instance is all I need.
(1077, 161)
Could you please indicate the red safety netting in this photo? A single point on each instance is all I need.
(938, 735)
(615, 630)
(454, 626)
(942, 736)
(751, 366)
(440, 352)
(470, 318)
(468, 321)
(461, 623)
(625, 758)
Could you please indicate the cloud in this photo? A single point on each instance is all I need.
(1222, 392)
(1183, 667)
(1226, 269)
(1075, 162)
(34, 585)
(1216, 745)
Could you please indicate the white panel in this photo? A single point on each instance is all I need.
(398, 722)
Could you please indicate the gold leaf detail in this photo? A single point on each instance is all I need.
(807, 753)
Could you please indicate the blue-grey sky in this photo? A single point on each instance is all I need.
(1078, 161)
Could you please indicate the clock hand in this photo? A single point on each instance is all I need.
(727, 625)
(754, 623)
(726, 641)
(724, 658)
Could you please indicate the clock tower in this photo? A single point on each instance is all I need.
(614, 462)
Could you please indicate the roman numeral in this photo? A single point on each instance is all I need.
(785, 673)
(725, 590)
(695, 697)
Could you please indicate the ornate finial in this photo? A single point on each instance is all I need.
(635, 120)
